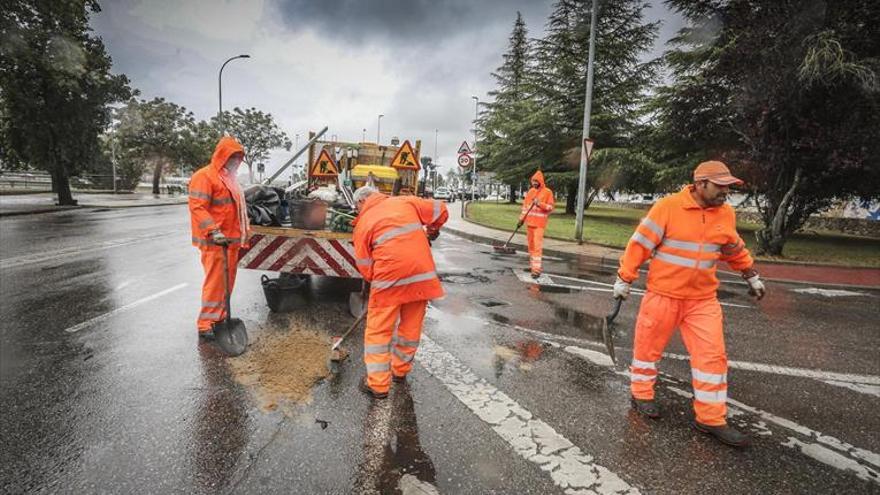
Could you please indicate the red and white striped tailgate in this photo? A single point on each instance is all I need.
(300, 255)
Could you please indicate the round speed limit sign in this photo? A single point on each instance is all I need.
(464, 160)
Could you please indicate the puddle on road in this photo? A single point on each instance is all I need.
(522, 356)
(590, 324)
(462, 278)
(282, 367)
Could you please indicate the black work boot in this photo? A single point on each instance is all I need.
(647, 408)
(725, 434)
(536, 275)
(367, 390)
(398, 379)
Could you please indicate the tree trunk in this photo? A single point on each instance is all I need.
(250, 173)
(511, 198)
(771, 239)
(592, 195)
(62, 185)
(571, 198)
(157, 175)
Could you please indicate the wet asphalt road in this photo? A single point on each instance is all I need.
(104, 386)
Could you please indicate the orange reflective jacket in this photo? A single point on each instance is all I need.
(212, 203)
(537, 217)
(392, 249)
(686, 242)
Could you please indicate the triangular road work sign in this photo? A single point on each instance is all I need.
(324, 166)
(588, 145)
(464, 148)
(406, 157)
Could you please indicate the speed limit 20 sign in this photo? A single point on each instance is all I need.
(464, 160)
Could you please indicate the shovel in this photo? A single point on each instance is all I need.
(505, 249)
(230, 334)
(336, 354)
(607, 337)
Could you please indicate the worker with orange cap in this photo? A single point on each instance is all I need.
(536, 209)
(686, 235)
(218, 217)
(393, 254)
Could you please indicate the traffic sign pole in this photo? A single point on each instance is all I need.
(582, 178)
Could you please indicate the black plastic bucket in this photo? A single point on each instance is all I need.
(286, 293)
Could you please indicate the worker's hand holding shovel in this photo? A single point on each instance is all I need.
(519, 223)
(219, 239)
(621, 288)
(433, 234)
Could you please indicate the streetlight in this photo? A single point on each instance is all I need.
(588, 100)
(378, 129)
(476, 116)
(220, 88)
(364, 136)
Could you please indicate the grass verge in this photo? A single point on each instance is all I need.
(613, 226)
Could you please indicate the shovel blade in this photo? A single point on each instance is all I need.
(231, 336)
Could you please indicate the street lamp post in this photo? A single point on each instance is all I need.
(364, 136)
(588, 101)
(293, 168)
(476, 116)
(379, 129)
(220, 89)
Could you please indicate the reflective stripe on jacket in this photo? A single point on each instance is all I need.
(392, 248)
(686, 242)
(212, 205)
(538, 215)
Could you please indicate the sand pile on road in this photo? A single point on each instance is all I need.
(283, 366)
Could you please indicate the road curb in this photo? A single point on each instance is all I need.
(603, 261)
(58, 209)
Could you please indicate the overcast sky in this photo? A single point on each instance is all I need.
(338, 63)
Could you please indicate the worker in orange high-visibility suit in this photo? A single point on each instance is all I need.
(391, 244)
(218, 215)
(536, 209)
(686, 235)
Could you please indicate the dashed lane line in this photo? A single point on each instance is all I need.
(569, 468)
(106, 316)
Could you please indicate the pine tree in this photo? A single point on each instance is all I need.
(621, 82)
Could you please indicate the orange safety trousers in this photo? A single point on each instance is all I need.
(700, 321)
(213, 295)
(388, 349)
(535, 238)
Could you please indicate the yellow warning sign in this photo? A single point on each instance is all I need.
(406, 158)
(324, 166)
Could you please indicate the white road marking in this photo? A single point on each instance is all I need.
(833, 453)
(536, 441)
(824, 376)
(594, 356)
(788, 371)
(545, 279)
(828, 292)
(42, 257)
(105, 316)
(858, 387)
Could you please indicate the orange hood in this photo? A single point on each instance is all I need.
(540, 178)
(226, 147)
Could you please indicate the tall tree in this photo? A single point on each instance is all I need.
(55, 87)
(621, 81)
(258, 134)
(788, 92)
(156, 132)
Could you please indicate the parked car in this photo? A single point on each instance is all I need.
(443, 193)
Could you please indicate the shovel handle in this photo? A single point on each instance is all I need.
(350, 329)
(617, 303)
(518, 226)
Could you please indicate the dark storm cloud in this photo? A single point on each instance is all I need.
(412, 21)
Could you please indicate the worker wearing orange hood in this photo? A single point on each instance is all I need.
(536, 210)
(218, 216)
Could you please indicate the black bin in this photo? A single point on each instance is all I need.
(286, 293)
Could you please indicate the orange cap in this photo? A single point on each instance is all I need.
(715, 172)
